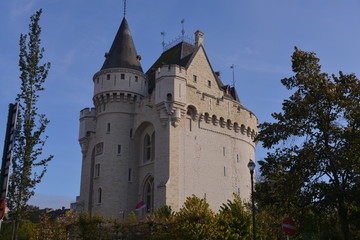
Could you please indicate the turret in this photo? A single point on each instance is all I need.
(121, 73)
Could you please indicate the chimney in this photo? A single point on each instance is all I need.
(199, 38)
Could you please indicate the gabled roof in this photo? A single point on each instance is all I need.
(180, 55)
(183, 54)
(122, 53)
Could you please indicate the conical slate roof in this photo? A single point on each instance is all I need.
(122, 53)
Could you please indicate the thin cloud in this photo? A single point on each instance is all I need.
(20, 7)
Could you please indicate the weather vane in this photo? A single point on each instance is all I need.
(233, 74)
(163, 42)
(183, 30)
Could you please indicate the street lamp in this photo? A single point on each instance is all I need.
(251, 166)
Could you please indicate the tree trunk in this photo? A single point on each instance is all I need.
(344, 221)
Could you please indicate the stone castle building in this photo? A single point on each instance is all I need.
(163, 135)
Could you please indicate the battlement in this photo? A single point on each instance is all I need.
(170, 70)
(88, 112)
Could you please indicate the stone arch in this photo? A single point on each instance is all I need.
(229, 124)
(214, 120)
(145, 143)
(253, 134)
(236, 127)
(207, 117)
(192, 112)
(148, 192)
(243, 129)
(222, 122)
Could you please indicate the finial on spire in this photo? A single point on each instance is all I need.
(183, 30)
(124, 8)
(233, 73)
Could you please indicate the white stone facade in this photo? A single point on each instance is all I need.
(188, 136)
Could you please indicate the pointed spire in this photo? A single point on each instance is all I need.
(122, 53)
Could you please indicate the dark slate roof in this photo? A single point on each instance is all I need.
(122, 53)
(180, 55)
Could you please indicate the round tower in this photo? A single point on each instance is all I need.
(119, 84)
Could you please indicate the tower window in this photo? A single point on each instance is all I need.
(122, 76)
(224, 151)
(129, 176)
(209, 83)
(108, 128)
(194, 78)
(237, 158)
(119, 149)
(108, 77)
(224, 171)
(149, 194)
(97, 170)
(136, 78)
(99, 195)
(131, 132)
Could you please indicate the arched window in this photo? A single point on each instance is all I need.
(147, 148)
(153, 146)
(149, 194)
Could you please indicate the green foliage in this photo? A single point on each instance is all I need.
(315, 145)
(196, 220)
(27, 230)
(28, 165)
(233, 221)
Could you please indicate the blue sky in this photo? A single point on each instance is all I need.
(258, 36)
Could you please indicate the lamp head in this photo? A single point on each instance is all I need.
(251, 165)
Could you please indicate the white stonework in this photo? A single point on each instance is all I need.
(188, 136)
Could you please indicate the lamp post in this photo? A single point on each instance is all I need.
(251, 166)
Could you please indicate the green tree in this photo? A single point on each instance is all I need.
(233, 221)
(28, 164)
(314, 142)
(195, 220)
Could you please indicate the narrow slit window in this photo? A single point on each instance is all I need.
(119, 149)
(237, 158)
(108, 77)
(209, 83)
(195, 78)
(224, 171)
(97, 170)
(129, 176)
(108, 127)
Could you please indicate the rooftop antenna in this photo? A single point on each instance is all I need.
(124, 8)
(183, 30)
(233, 74)
(163, 42)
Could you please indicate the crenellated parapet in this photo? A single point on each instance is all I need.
(171, 70)
(120, 79)
(110, 97)
(223, 124)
